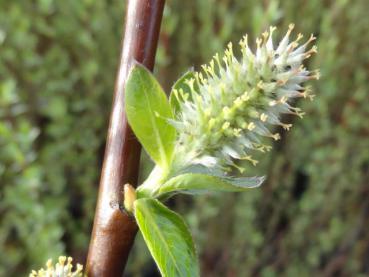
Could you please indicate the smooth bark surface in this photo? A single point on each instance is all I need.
(113, 231)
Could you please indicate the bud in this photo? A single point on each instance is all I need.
(129, 197)
(235, 102)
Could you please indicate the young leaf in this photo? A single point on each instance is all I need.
(196, 183)
(148, 112)
(179, 89)
(167, 238)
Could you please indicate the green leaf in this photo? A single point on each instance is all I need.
(148, 112)
(180, 89)
(167, 238)
(197, 183)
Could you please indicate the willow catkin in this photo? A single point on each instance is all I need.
(234, 102)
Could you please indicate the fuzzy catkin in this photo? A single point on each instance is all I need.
(235, 102)
(63, 268)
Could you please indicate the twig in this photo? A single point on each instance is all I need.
(113, 231)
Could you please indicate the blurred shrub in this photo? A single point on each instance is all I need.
(57, 69)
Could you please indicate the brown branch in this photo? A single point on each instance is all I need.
(113, 231)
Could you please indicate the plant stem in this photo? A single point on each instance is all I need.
(114, 231)
(156, 178)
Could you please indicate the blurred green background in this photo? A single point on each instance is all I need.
(57, 68)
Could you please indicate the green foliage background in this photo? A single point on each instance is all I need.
(57, 69)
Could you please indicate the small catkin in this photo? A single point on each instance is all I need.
(63, 268)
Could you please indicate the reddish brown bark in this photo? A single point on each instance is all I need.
(113, 231)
